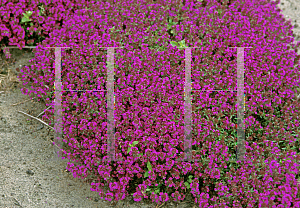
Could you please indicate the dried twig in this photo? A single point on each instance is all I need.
(42, 122)
(160, 205)
(43, 111)
(17, 203)
(37, 119)
(21, 102)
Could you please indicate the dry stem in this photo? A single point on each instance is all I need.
(21, 102)
(40, 121)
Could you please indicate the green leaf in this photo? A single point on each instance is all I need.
(41, 12)
(157, 191)
(26, 16)
(129, 149)
(149, 166)
(146, 174)
(96, 42)
(112, 29)
(147, 29)
(25, 19)
(135, 143)
(182, 43)
(28, 13)
(187, 184)
(173, 43)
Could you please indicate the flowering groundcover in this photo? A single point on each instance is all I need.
(149, 81)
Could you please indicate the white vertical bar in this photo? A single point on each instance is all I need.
(58, 128)
(241, 150)
(58, 124)
(240, 154)
(110, 105)
(187, 106)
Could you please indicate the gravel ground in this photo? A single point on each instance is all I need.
(29, 174)
(291, 11)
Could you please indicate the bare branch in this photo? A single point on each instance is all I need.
(37, 119)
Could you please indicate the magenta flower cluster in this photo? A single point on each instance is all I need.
(46, 16)
(149, 100)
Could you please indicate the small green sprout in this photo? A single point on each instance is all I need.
(26, 17)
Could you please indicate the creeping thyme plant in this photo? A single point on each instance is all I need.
(149, 98)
